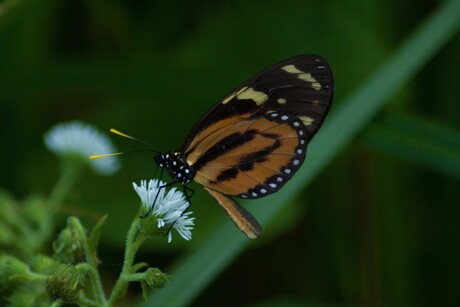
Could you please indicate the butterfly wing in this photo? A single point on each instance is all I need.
(254, 140)
(240, 216)
(301, 85)
(252, 158)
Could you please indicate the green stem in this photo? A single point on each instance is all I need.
(70, 172)
(94, 276)
(134, 241)
(57, 303)
(84, 301)
(29, 276)
(134, 277)
(37, 276)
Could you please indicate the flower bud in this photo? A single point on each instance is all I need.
(66, 283)
(154, 278)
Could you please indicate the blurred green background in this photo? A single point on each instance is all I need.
(372, 218)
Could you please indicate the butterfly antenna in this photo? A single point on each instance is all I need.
(125, 152)
(106, 155)
(132, 138)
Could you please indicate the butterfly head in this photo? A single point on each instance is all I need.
(176, 166)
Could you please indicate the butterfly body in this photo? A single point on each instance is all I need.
(255, 139)
(176, 166)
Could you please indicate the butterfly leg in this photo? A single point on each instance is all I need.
(155, 173)
(189, 203)
(186, 189)
(188, 196)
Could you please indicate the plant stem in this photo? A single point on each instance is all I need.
(37, 277)
(57, 303)
(95, 279)
(134, 241)
(70, 171)
(84, 301)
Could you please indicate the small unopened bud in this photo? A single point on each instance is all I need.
(66, 283)
(154, 278)
(68, 247)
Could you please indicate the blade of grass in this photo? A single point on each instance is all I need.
(418, 140)
(193, 273)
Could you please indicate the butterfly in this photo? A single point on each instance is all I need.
(255, 139)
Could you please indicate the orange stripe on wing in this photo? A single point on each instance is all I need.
(237, 179)
(208, 136)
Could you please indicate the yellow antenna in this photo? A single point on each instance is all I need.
(106, 155)
(115, 131)
(122, 134)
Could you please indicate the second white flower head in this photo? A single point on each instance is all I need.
(82, 140)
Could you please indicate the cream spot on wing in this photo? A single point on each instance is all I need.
(281, 101)
(309, 78)
(249, 93)
(241, 90)
(307, 121)
(291, 69)
(232, 95)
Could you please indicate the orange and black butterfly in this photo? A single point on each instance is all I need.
(255, 139)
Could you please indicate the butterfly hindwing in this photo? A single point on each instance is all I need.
(240, 216)
(252, 158)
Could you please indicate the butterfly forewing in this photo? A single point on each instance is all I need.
(254, 140)
(301, 86)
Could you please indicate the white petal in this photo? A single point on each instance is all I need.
(168, 209)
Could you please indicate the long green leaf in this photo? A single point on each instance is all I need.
(418, 140)
(193, 273)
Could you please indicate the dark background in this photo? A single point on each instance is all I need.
(379, 225)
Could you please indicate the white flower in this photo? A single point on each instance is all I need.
(79, 139)
(168, 208)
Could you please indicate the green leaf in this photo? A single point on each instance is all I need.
(95, 235)
(145, 290)
(417, 139)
